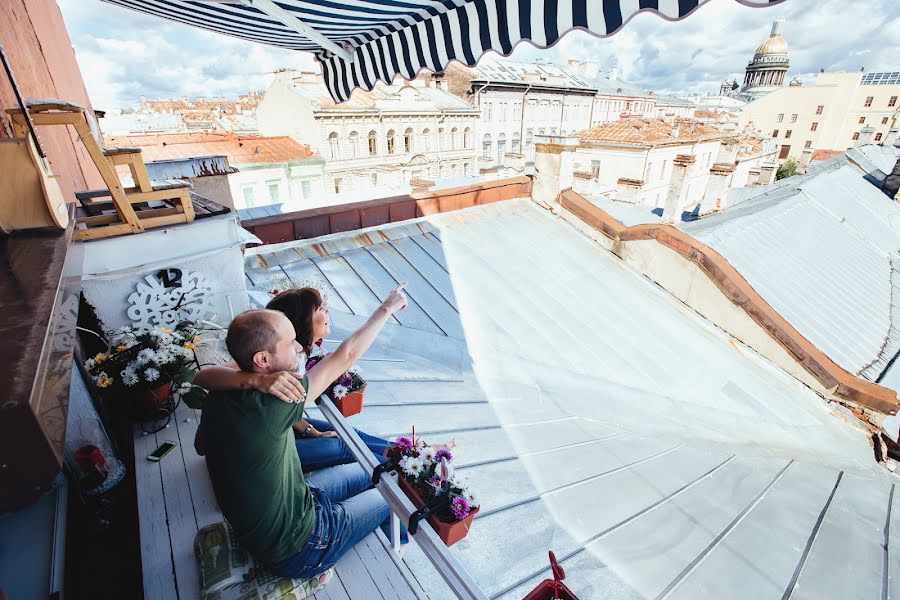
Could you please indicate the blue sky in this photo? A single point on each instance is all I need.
(125, 54)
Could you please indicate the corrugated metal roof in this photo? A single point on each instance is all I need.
(823, 251)
(597, 416)
(383, 98)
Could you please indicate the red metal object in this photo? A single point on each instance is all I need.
(552, 589)
(352, 403)
(450, 533)
(89, 458)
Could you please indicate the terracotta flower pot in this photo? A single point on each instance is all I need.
(450, 533)
(153, 399)
(549, 589)
(352, 403)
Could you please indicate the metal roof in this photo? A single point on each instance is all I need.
(823, 251)
(597, 416)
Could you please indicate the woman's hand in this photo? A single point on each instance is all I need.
(283, 385)
(396, 300)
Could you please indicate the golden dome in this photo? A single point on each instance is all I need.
(773, 45)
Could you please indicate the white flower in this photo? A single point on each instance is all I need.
(354, 369)
(129, 377)
(151, 374)
(427, 454)
(339, 391)
(412, 466)
(90, 364)
(145, 356)
(184, 388)
(164, 356)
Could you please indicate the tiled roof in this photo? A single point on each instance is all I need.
(240, 149)
(650, 132)
(825, 154)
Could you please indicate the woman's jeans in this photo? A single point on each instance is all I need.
(347, 511)
(318, 453)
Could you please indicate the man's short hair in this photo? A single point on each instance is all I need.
(251, 332)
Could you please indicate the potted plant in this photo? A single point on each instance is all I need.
(425, 475)
(552, 589)
(347, 391)
(144, 366)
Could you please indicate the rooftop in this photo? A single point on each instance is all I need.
(710, 464)
(240, 149)
(650, 132)
(539, 73)
(383, 98)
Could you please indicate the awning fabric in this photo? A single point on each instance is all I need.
(383, 38)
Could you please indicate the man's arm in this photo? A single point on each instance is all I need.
(222, 378)
(327, 370)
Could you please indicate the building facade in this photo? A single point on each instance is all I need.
(832, 114)
(378, 142)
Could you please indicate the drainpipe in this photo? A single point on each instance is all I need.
(522, 122)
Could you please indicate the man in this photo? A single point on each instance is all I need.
(297, 527)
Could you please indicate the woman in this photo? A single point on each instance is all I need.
(317, 442)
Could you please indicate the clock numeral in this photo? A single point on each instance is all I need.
(170, 277)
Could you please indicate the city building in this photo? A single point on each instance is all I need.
(672, 107)
(270, 170)
(766, 71)
(379, 141)
(838, 111)
(616, 98)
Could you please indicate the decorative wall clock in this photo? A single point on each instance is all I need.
(168, 297)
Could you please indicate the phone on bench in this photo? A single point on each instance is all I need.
(162, 451)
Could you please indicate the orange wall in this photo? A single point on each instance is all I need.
(35, 39)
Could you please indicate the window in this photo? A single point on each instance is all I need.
(529, 139)
(440, 140)
(649, 175)
(515, 143)
(819, 109)
(440, 171)
(785, 150)
(306, 188)
(662, 169)
(374, 179)
(333, 144)
(373, 143)
(869, 101)
(337, 185)
(487, 111)
(807, 145)
(814, 126)
(407, 140)
(390, 142)
(486, 147)
(877, 137)
(273, 188)
(856, 136)
(426, 140)
(454, 138)
(517, 108)
(595, 169)
(466, 169)
(862, 120)
(884, 121)
(892, 101)
(467, 138)
(787, 134)
(775, 133)
(501, 148)
(503, 111)
(354, 144)
(249, 196)
(794, 118)
(780, 118)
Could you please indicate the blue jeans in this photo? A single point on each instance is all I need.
(318, 453)
(347, 510)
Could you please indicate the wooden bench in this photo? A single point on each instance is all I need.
(125, 219)
(175, 499)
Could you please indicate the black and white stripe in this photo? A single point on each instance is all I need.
(402, 37)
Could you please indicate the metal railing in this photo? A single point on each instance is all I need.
(456, 576)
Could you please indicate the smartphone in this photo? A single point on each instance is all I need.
(160, 452)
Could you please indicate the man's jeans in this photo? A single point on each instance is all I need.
(346, 512)
(318, 453)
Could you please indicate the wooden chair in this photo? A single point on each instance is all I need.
(174, 194)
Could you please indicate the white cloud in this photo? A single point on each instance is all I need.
(125, 54)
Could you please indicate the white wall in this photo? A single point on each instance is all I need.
(255, 179)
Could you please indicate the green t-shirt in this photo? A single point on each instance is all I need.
(256, 473)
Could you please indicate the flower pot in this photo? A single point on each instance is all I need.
(351, 404)
(549, 589)
(450, 533)
(154, 399)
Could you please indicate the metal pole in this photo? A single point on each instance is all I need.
(15, 87)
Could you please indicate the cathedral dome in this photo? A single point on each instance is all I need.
(773, 45)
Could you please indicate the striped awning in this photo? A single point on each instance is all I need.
(359, 42)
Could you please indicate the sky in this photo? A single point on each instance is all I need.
(124, 54)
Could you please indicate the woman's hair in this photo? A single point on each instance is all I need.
(298, 305)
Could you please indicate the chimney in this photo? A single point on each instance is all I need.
(728, 151)
(865, 136)
(627, 190)
(554, 166)
(716, 188)
(672, 210)
(767, 173)
(776, 26)
(805, 159)
(752, 176)
(613, 73)
(891, 138)
(891, 183)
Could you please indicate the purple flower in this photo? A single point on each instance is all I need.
(443, 453)
(345, 380)
(435, 481)
(460, 508)
(404, 444)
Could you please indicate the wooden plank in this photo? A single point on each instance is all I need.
(305, 271)
(333, 591)
(356, 578)
(384, 570)
(430, 269)
(381, 283)
(203, 498)
(156, 550)
(440, 311)
(179, 511)
(357, 295)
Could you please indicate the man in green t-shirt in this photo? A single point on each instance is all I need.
(297, 527)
